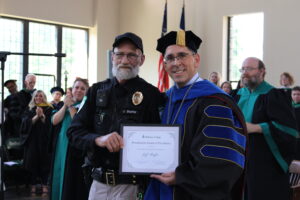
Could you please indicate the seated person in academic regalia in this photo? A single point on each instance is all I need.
(57, 92)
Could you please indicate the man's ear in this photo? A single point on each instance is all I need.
(197, 60)
(112, 56)
(142, 59)
(164, 65)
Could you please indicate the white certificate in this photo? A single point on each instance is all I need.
(150, 149)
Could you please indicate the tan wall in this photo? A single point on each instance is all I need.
(107, 27)
(206, 18)
(281, 33)
(145, 19)
(107, 18)
(76, 12)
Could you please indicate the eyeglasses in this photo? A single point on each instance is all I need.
(247, 69)
(130, 56)
(180, 56)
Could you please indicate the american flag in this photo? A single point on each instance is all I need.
(163, 78)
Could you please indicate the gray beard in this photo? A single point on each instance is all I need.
(121, 74)
(252, 83)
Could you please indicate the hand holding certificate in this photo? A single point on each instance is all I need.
(150, 149)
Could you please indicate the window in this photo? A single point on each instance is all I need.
(23, 36)
(245, 39)
(75, 46)
(11, 40)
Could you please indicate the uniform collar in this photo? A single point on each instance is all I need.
(129, 84)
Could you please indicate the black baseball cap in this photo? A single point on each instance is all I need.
(182, 38)
(9, 81)
(133, 38)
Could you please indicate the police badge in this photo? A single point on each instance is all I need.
(137, 98)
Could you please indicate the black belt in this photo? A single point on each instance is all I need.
(112, 177)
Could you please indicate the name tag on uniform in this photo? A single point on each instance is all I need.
(130, 112)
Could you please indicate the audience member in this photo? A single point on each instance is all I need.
(226, 87)
(57, 92)
(35, 130)
(286, 80)
(11, 86)
(67, 177)
(69, 91)
(18, 103)
(272, 133)
(215, 78)
(10, 130)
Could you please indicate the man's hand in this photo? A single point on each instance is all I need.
(113, 142)
(166, 178)
(253, 128)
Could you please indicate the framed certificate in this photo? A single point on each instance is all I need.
(150, 149)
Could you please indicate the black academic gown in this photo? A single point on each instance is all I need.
(297, 114)
(36, 140)
(269, 153)
(74, 187)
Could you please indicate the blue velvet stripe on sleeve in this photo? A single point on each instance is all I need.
(223, 153)
(227, 133)
(223, 112)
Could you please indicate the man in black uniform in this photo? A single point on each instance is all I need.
(126, 98)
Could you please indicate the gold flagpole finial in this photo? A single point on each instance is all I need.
(180, 39)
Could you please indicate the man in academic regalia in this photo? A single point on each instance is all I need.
(213, 130)
(272, 133)
(19, 101)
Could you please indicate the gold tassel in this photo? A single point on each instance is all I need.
(180, 39)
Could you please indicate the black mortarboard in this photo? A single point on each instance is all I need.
(9, 81)
(136, 40)
(57, 88)
(181, 38)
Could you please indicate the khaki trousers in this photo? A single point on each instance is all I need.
(100, 191)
